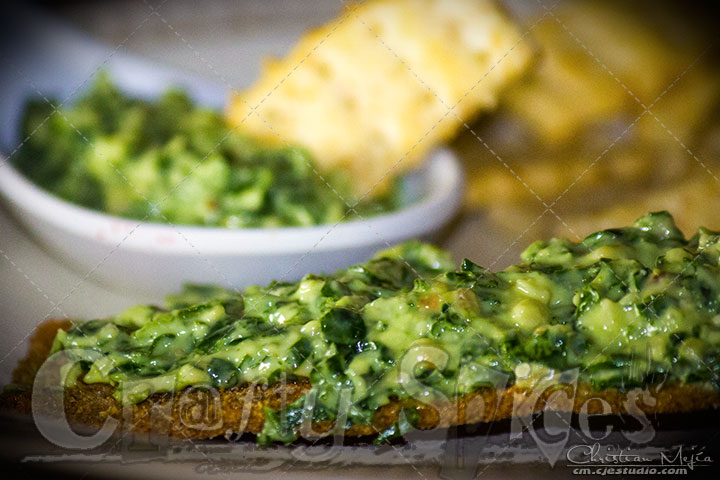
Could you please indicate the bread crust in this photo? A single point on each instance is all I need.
(196, 413)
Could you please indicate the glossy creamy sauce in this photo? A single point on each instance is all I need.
(625, 307)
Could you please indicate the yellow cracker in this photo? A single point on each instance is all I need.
(369, 92)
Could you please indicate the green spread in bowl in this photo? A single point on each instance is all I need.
(169, 160)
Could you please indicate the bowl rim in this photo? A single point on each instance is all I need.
(438, 203)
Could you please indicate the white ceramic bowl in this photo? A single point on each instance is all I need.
(154, 258)
(159, 258)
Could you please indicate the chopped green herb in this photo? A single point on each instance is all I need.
(606, 306)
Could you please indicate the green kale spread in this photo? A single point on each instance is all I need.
(169, 160)
(625, 307)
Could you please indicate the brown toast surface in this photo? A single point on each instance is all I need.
(199, 413)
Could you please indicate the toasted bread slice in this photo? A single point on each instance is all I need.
(198, 414)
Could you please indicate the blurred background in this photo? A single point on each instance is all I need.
(617, 116)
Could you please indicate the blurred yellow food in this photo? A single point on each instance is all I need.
(591, 52)
(569, 131)
(695, 202)
(370, 91)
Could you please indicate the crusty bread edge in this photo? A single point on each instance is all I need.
(196, 413)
